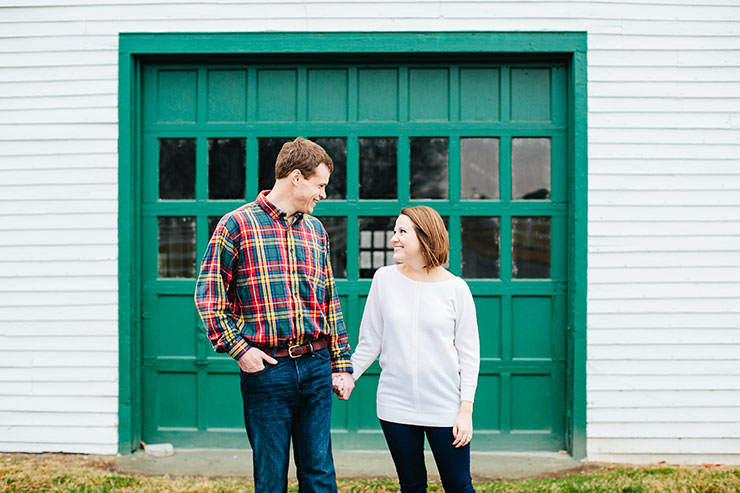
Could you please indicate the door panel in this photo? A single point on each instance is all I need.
(483, 143)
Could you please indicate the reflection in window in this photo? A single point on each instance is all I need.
(429, 157)
(336, 148)
(226, 159)
(176, 246)
(268, 149)
(337, 229)
(480, 246)
(479, 166)
(530, 247)
(530, 168)
(378, 167)
(176, 168)
(375, 244)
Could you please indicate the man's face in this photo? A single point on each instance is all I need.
(310, 190)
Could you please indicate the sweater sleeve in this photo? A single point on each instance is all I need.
(467, 342)
(371, 332)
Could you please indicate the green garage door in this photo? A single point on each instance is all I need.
(483, 142)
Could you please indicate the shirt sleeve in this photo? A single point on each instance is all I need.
(214, 296)
(371, 332)
(467, 342)
(339, 349)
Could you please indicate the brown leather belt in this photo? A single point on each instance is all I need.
(297, 350)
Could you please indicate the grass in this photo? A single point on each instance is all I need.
(86, 474)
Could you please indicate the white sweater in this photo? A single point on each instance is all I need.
(427, 337)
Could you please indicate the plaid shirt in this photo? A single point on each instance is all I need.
(268, 283)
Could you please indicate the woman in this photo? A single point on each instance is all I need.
(420, 319)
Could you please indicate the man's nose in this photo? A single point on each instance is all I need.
(322, 194)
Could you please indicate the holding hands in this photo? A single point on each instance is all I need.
(342, 384)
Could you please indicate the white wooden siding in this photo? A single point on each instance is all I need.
(664, 206)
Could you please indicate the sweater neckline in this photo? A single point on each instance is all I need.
(424, 283)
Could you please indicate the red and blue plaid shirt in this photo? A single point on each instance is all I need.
(269, 283)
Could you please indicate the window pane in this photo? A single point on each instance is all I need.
(530, 168)
(480, 246)
(429, 157)
(375, 244)
(212, 223)
(226, 168)
(530, 247)
(176, 247)
(336, 147)
(378, 167)
(176, 168)
(268, 150)
(337, 229)
(479, 165)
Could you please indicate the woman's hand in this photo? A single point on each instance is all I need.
(462, 431)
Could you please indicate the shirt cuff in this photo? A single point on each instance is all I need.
(239, 348)
(341, 365)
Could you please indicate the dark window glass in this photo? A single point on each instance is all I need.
(176, 168)
(530, 168)
(530, 247)
(268, 150)
(378, 167)
(375, 244)
(176, 247)
(429, 158)
(336, 147)
(226, 159)
(479, 166)
(480, 246)
(337, 229)
(212, 223)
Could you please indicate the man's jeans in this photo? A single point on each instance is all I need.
(291, 399)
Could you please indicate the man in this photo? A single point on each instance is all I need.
(267, 297)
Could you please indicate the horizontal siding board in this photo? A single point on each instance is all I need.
(662, 398)
(626, 321)
(643, 336)
(665, 445)
(699, 413)
(83, 404)
(54, 359)
(60, 374)
(55, 419)
(663, 430)
(685, 383)
(68, 434)
(71, 448)
(666, 351)
(54, 389)
(658, 367)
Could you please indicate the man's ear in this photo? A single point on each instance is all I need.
(295, 176)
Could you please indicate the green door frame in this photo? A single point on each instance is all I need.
(135, 48)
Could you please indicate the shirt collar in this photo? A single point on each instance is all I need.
(272, 210)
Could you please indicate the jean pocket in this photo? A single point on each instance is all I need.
(321, 354)
(258, 372)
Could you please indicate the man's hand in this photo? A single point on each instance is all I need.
(342, 384)
(462, 431)
(254, 360)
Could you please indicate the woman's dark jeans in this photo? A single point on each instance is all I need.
(406, 443)
(291, 400)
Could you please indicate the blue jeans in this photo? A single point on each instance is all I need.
(406, 443)
(290, 400)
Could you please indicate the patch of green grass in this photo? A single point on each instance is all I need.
(65, 475)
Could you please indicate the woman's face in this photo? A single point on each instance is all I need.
(406, 246)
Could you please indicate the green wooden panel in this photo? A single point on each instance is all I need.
(377, 95)
(488, 311)
(487, 407)
(428, 94)
(277, 95)
(327, 95)
(227, 95)
(176, 407)
(479, 94)
(224, 400)
(530, 94)
(177, 326)
(532, 402)
(177, 94)
(531, 319)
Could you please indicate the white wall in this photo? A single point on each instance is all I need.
(664, 207)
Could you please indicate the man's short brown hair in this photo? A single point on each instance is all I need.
(432, 234)
(303, 155)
